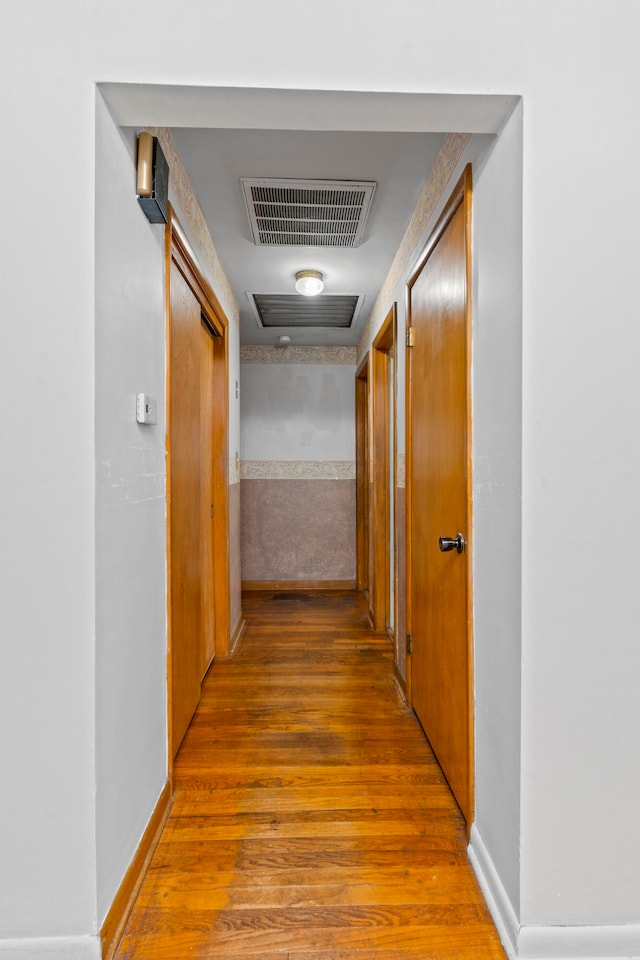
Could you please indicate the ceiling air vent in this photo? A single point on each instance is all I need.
(291, 310)
(307, 213)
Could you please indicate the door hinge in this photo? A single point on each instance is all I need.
(410, 336)
(212, 511)
(409, 643)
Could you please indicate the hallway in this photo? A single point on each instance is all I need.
(310, 820)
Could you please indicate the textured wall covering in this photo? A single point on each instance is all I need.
(196, 225)
(298, 529)
(448, 156)
(319, 355)
(298, 470)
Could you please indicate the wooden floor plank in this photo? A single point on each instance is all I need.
(310, 819)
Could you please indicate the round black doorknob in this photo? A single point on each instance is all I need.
(452, 543)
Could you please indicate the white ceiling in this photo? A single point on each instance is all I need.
(216, 159)
(401, 131)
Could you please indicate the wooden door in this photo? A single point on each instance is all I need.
(185, 479)
(438, 475)
(207, 414)
(197, 482)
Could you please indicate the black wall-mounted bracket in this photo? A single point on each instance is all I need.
(152, 179)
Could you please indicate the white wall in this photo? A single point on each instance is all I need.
(496, 470)
(297, 411)
(131, 640)
(581, 464)
(47, 690)
(575, 64)
(130, 512)
(497, 492)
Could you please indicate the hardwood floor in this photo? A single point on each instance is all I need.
(311, 820)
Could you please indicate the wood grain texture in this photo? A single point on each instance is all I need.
(383, 420)
(222, 535)
(185, 509)
(310, 819)
(198, 542)
(441, 673)
(362, 475)
(116, 919)
(379, 521)
(208, 647)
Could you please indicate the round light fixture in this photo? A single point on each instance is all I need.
(309, 282)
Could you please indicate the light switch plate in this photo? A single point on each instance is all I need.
(146, 409)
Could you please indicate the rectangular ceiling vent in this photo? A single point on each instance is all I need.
(307, 213)
(293, 310)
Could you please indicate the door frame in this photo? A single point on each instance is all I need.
(383, 412)
(374, 460)
(363, 470)
(461, 195)
(178, 251)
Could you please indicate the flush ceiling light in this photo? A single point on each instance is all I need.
(309, 282)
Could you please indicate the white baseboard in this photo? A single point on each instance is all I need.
(580, 943)
(498, 902)
(546, 943)
(52, 948)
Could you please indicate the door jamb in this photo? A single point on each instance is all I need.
(362, 476)
(383, 458)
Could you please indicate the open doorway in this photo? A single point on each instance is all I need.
(131, 105)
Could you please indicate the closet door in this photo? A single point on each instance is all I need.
(439, 483)
(207, 414)
(197, 482)
(185, 490)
